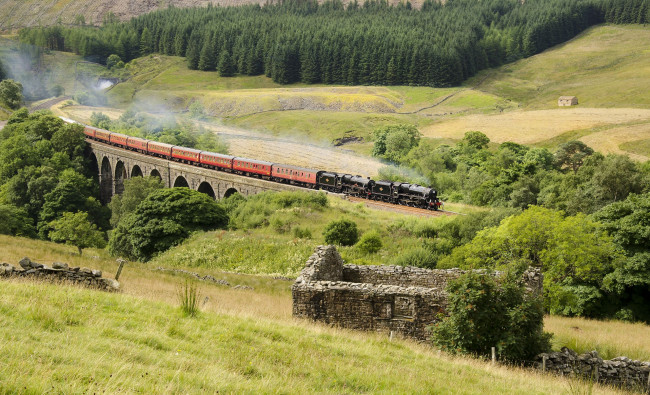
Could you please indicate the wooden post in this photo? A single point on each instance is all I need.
(596, 373)
(119, 270)
(391, 336)
(494, 354)
(544, 363)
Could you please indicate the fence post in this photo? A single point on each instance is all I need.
(494, 354)
(544, 363)
(119, 269)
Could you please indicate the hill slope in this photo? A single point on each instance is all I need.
(68, 339)
(15, 14)
(605, 67)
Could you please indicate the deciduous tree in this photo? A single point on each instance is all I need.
(77, 230)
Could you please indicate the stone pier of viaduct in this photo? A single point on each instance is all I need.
(114, 165)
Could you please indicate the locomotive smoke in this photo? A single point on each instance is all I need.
(21, 66)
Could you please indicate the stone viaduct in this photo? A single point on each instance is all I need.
(114, 165)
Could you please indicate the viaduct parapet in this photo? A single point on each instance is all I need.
(114, 165)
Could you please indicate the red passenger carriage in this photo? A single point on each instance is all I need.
(137, 144)
(294, 175)
(160, 149)
(186, 154)
(103, 135)
(211, 159)
(89, 131)
(118, 139)
(251, 166)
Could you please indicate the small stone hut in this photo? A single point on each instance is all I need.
(566, 101)
(405, 300)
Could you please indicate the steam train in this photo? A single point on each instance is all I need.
(352, 185)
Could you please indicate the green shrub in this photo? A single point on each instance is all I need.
(342, 232)
(484, 314)
(165, 218)
(419, 257)
(15, 221)
(301, 233)
(255, 211)
(280, 223)
(370, 243)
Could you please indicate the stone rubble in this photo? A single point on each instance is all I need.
(59, 272)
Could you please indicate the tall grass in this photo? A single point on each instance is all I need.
(610, 338)
(188, 296)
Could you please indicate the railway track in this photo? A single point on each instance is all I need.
(400, 208)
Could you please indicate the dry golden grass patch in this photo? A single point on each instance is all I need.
(83, 113)
(610, 140)
(213, 298)
(268, 298)
(529, 127)
(610, 338)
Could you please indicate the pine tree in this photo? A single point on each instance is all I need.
(180, 43)
(193, 52)
(207, 58)
(145, 42)
(309, 68)
(391, 72)
(226, 65)
(255, 61)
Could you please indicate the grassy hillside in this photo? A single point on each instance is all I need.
(77, 340)
(323, 113)
(605, 67)
(243, 341)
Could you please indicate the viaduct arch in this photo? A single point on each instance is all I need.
(116, 165)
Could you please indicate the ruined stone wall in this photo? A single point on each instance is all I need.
(620, 371)
(405, 300)
(410, 276)
(407, 310)
(59, 272)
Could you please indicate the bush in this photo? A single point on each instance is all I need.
(256, 211)
(484, 314)
(164, 219)
(419, 257)
(301, 233)
(11, 94)
(15, 221)
(370, 243)
(342, 232)
(281, 223)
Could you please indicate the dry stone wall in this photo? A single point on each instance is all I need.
(620, 371)
(59, 272)
(405, 300)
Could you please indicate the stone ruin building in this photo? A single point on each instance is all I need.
(566, 101)
(405, 300)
